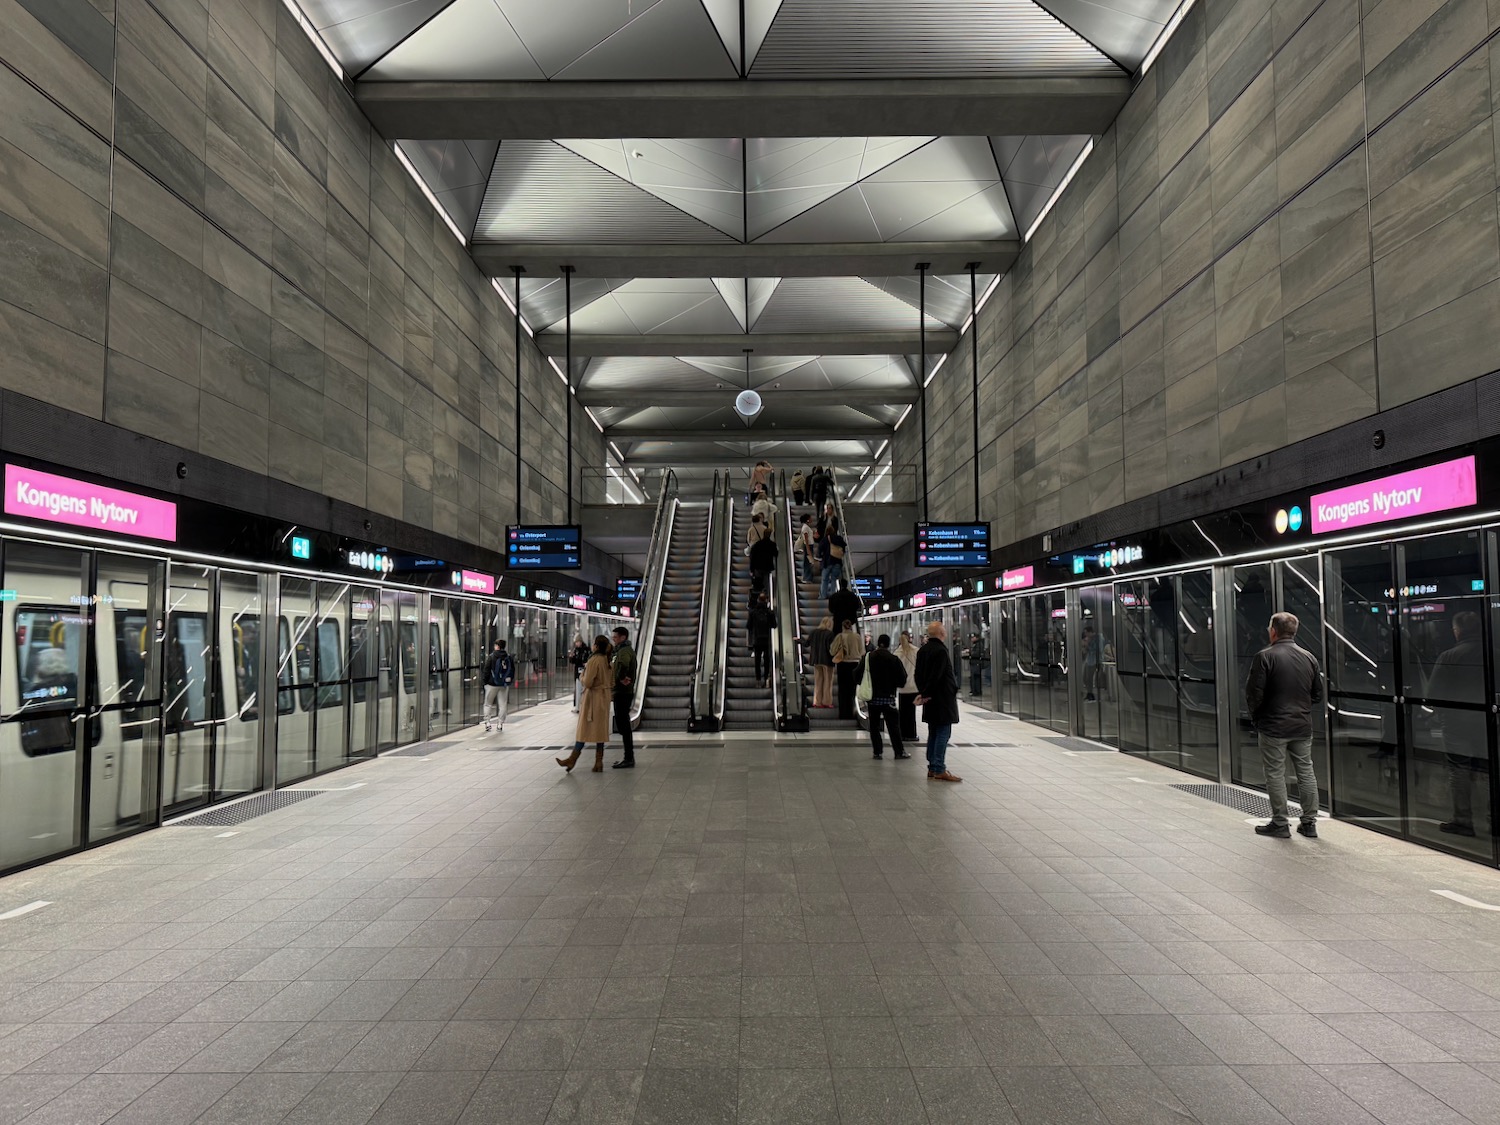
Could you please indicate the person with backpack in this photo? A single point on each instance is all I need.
(499, 674)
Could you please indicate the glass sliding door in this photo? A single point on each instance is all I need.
(1096, 676)
(241, 624)
(1198, 724)
(295, 681)
(331, 676)
(192, 706)
(364, 671)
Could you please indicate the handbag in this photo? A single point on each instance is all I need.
(866, 689)
(835, 551)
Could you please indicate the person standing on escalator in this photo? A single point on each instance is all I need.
(762, 623)
(763, 553)
(844, 604)
(848, 652)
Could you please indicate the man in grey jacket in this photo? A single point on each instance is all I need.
(1284, 684)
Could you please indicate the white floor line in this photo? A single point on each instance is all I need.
(1454, 895)
(20, 910)
(225, 835)
(326, 789)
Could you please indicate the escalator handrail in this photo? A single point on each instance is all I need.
(648, 602)
(787, 702)
(706, 675)
(848, 573)
(720, 653)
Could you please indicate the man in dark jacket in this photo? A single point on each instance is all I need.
(937, 692)
(622, 694)
(1284, 684)
(763, 554)
(499, 673)
(844, 604)
(887, 677)
(762, 621)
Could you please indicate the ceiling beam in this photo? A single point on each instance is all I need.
(951, 107)
(714, 459)
(762, 344)
(645, 396)
(871, 432)
(737, 259)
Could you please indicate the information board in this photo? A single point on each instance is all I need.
(953, 544)
(871, 587)
(531, 547)
(627, 589)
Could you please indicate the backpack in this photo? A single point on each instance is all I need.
(502, 670)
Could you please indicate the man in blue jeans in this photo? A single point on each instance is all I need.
(1284, 683)
(937, 692)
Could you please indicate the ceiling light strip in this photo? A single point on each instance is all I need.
(317, 40)
(1061, 187)
(511, 305)
(1161, 40)
(427, 191)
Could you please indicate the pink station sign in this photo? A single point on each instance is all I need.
(1418, 492)
(1019, 579)
(55, 499)
(473, 582)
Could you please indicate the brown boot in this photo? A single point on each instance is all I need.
(599, 760)
(569, 762)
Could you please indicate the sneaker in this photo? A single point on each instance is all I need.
(486, 728)
(902, 757)
(878, 758)
(1279, 831)
(1456, 828)
(1309, 829)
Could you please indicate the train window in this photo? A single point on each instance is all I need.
(245, 651)
(409, 656)
(330, 664)
(187, 670)
(47, 655)
(285, 701)
(360, 671)
(132, 641)
(303, 651)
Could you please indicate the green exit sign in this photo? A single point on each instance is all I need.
(301, 547)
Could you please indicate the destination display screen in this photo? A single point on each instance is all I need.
(627, 589)
(953, 544)
(533, 547)
(871, 587)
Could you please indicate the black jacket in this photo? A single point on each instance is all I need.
(1284, 684)
(843, 606)
(887, 674)
(936, 681)
(762, 621)
(763, 554)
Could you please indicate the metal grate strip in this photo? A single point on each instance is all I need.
(1252, 803)
(241, 811)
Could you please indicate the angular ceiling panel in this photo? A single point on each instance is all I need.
(1031, 168)
(947, 297)
(844, 372)
(844, 218)
(732, 289)
(456, 172)
(542, 192)
(658, 305)
(758, 291)
(835, 304)
(471, 40)
(360, 31)
(726, 17)
(785, 177)
(984, 214)
(653, 375)
(1122, 29)
(544, 300)
(921, 38)
(702, 177)
(670, 39)
(758, 17)
(557, 32)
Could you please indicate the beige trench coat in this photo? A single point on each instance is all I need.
(594, 710)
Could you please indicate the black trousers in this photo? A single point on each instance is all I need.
(622, 726)
(762, 650)
(889, 717)
(846, 672)
(907, 703)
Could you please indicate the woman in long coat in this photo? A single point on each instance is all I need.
(594, 711)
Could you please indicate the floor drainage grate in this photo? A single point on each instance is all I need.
(1077, 744)
(1252, 803)
(242, 811)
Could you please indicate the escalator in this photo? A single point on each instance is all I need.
(812, 608)
(669, 626)
(790, 693)
(747, 705)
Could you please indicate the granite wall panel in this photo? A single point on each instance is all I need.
(206, 243)
(1302, 230)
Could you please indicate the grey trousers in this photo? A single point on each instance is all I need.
(1275, 752)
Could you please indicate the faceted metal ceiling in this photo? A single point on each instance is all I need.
(752, 203)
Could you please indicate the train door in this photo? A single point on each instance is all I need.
(237, 743)
(330, 699)
(79, 701)
(189, 695)
(388, 670)
(294, 681)
(411, 685)
(365, 671)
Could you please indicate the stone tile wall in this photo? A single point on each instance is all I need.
(205, 242)
(1292, 226)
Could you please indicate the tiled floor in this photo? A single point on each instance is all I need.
(746, 932)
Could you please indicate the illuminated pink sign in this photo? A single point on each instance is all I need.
(919, 599)
(476, 583)
(579, 601)
(1018, 579)
(46, 496)
(1419, 492)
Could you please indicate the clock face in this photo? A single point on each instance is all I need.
(747, 403)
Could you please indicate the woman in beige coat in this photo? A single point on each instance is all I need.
(594, 710)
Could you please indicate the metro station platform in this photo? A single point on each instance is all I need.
(749, 931)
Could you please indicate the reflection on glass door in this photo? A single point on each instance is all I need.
(189, 696)
(1097, 677)
(241, 622)
(41, 704)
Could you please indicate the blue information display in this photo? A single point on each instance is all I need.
(953, 544)
(871, 587)
(557, 547)
(627, 589)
